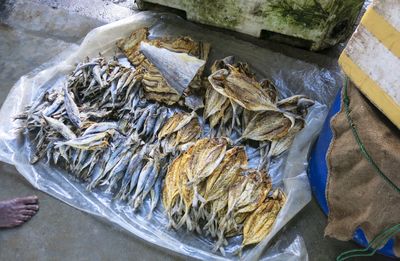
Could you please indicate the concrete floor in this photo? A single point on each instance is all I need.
(60, 232)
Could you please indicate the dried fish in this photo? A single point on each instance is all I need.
(175, 123)
(61, 128)
(132, 130)
(71, 108)
(158, 58)
(258, 225)
(297, 104)
(245, 91)
(267, 125)
(281, 145)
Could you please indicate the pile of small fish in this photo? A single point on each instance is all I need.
(127, 128)
(100, 128)
(210, 189)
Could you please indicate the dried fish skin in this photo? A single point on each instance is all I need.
(258, 225)
(249, 192)
(214, 102)
(157, 89)
(223, 113)
(166, 98)
(226, 173)
(267, 125)
(154, 82)
(244, 90)
(189, 133)
(172, 181)
(178, 69)
(281, 145)
(183, 44)
(175, 123)
(270, 90)
(130, 45)
(208, 154)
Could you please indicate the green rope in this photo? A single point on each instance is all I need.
(388, 233)
(373, 246)
(346, 101)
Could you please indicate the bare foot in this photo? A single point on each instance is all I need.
(17, 211)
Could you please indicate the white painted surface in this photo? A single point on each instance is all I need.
(390, 10)
(377, 61)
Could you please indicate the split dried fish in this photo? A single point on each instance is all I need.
(179, 130)
(281, 145)
(260, 222)
(267, 125)
(230, 193)
(240, 88)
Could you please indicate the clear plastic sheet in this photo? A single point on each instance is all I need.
(288, 171)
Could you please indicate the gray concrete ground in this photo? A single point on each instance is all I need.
(60, 232)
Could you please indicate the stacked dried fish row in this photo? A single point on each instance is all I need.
(179, 132)
(100, 128)
(210, 189)
(236, 102)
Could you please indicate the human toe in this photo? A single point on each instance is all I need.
(28, 200)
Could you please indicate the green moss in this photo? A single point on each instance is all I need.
(311, 14)
(225, 13)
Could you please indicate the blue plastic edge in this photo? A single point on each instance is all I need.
(318, 174)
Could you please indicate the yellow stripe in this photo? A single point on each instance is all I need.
(371, 89)
(382, 30)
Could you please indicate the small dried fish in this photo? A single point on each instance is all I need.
(175, 123)
(297, 104)
(258, 225)
(71, 108)
(245, 91)
(281, 145)
(268, 125)
(60, 128)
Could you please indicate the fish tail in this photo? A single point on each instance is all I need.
(199, 213)
(90, 186)
(138, 202)
(171, 222)
(219, 244)
(181, 221)
(210, 222)
(120, 193)
(185, 219)
(150, 215)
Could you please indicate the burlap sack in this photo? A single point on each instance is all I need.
(357, 195)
